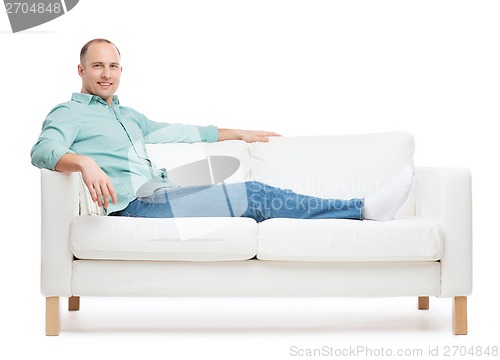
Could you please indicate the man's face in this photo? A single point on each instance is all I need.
(100, 71)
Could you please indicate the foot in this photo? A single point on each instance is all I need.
(384, 204)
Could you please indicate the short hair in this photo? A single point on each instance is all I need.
(85, 47)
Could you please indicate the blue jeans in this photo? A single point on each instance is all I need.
(252, 199)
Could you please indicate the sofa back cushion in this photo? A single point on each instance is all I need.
(183, 161)
(340, 166)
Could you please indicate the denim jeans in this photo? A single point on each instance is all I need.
(252, 199)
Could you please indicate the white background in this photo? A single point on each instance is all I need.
(295, 67)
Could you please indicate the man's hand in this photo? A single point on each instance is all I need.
(98, 183)
(100, 187)
(245, 135)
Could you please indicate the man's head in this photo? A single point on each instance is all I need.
(100, 69)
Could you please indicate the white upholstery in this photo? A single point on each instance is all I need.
(254, 278)
(60, 195)
(188, 239)
(430, 254)
(406, 239)
(172, 156)
(339, 167)
(444, 195)
(223, 239)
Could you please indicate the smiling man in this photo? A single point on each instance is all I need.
(100, 69)
(105, 141)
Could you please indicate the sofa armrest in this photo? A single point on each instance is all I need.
(444, 194)
(59, 196)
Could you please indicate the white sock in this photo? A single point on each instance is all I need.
(384, 204)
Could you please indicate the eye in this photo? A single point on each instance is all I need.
(97, 65)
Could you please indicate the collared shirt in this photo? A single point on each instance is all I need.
(115, 137)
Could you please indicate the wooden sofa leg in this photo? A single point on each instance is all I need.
(460, 315)
(423, 303)
(52, 316)
(74, 303)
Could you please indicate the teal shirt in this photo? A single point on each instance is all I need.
(115, 137)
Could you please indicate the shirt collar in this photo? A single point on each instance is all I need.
(88, 98)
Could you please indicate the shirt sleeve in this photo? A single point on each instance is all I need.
(158, 132)
(59, 131)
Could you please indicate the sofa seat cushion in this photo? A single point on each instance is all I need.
(179, 239)
(405, 239)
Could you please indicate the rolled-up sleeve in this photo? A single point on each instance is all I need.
(209, 133)
(59, 131)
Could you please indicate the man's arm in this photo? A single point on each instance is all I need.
(159, 132)
(245, 135)
(98, 183)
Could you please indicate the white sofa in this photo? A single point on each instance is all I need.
(426, 251)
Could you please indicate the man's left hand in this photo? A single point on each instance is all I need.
(246, 135)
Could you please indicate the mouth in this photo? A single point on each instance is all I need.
(105, 85)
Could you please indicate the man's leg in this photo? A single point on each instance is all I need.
(250, 199)
(267, 202)
(261, 201)
(190, 201)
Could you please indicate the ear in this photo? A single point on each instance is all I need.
(80, 70)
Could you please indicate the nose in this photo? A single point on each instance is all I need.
(106, 73)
